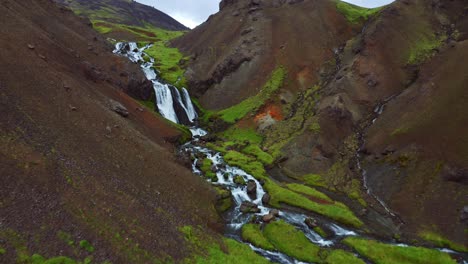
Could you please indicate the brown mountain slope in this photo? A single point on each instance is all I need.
(235, 50)
(410, 54)
(71, 168)
(123, 12)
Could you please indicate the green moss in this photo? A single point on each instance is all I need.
(209, 251)
(241, 135)
(239, 180)
(236, 112)
(151, 105)
(320, 231)
(299, 188)
(38, 259)
(167, 60)
(342, 257)
(223, 205)
(421, 50)
(2, 251)
(315, 128)
(287, 239)
(388, 254)
(314, 180)
(356, 14)
(259, 154)
(252, 234)
(354, 192)
(248, 164)
(86, 246)
(335, 210)
(66, 237)
(206, 169)
(441, 241)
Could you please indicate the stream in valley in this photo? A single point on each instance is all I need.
(176, 105)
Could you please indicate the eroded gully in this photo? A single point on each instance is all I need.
(168, 99)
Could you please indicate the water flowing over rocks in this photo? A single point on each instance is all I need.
(249, 199)
(171, 103)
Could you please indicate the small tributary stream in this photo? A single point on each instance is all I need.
(170, 101)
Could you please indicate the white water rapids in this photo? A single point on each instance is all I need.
(168, 98)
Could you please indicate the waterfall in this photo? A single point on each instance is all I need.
(192, 114)
(171, 104)
(164, 101)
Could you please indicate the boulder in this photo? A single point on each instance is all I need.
(311, 222)
(252, 189)
(464, 214)
(275, 212)
(118, 108)
(249, 207)
(140, 88)
(268, 218)
(266, 198)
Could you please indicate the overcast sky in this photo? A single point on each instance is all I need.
(194, 12)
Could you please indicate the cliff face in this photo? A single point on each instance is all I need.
(72, 168)
(383, 92)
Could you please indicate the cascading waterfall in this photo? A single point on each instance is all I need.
(168, 97)
(168, 100)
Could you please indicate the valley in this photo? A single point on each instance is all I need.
(276, 141)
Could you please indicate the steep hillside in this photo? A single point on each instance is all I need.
(126, 12)
(351, 100)
(78, 179)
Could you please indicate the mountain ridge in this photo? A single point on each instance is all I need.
(123, 12)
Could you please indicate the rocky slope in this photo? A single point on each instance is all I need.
(126, 12)
(401, 64)
(79, 179)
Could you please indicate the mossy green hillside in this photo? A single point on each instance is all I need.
(334, 210)
(356, 14)
(251, 104)
(424, 47)
(168, 61)
(252, 234)
(441, 241)
(381, 253)
(287, 239)
(299, 188)
(210, 251)
(342, 257)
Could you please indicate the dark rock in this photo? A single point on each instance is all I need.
(268, 218)
(455, 174)
(464, 214)
(275, 212)
(91, 72)
(178, 107)
(141, 89)
(214, 169)
(249, 207)
(266, 198)
(311, 223)
(252, 189)
(246, 31)
(118, 108)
